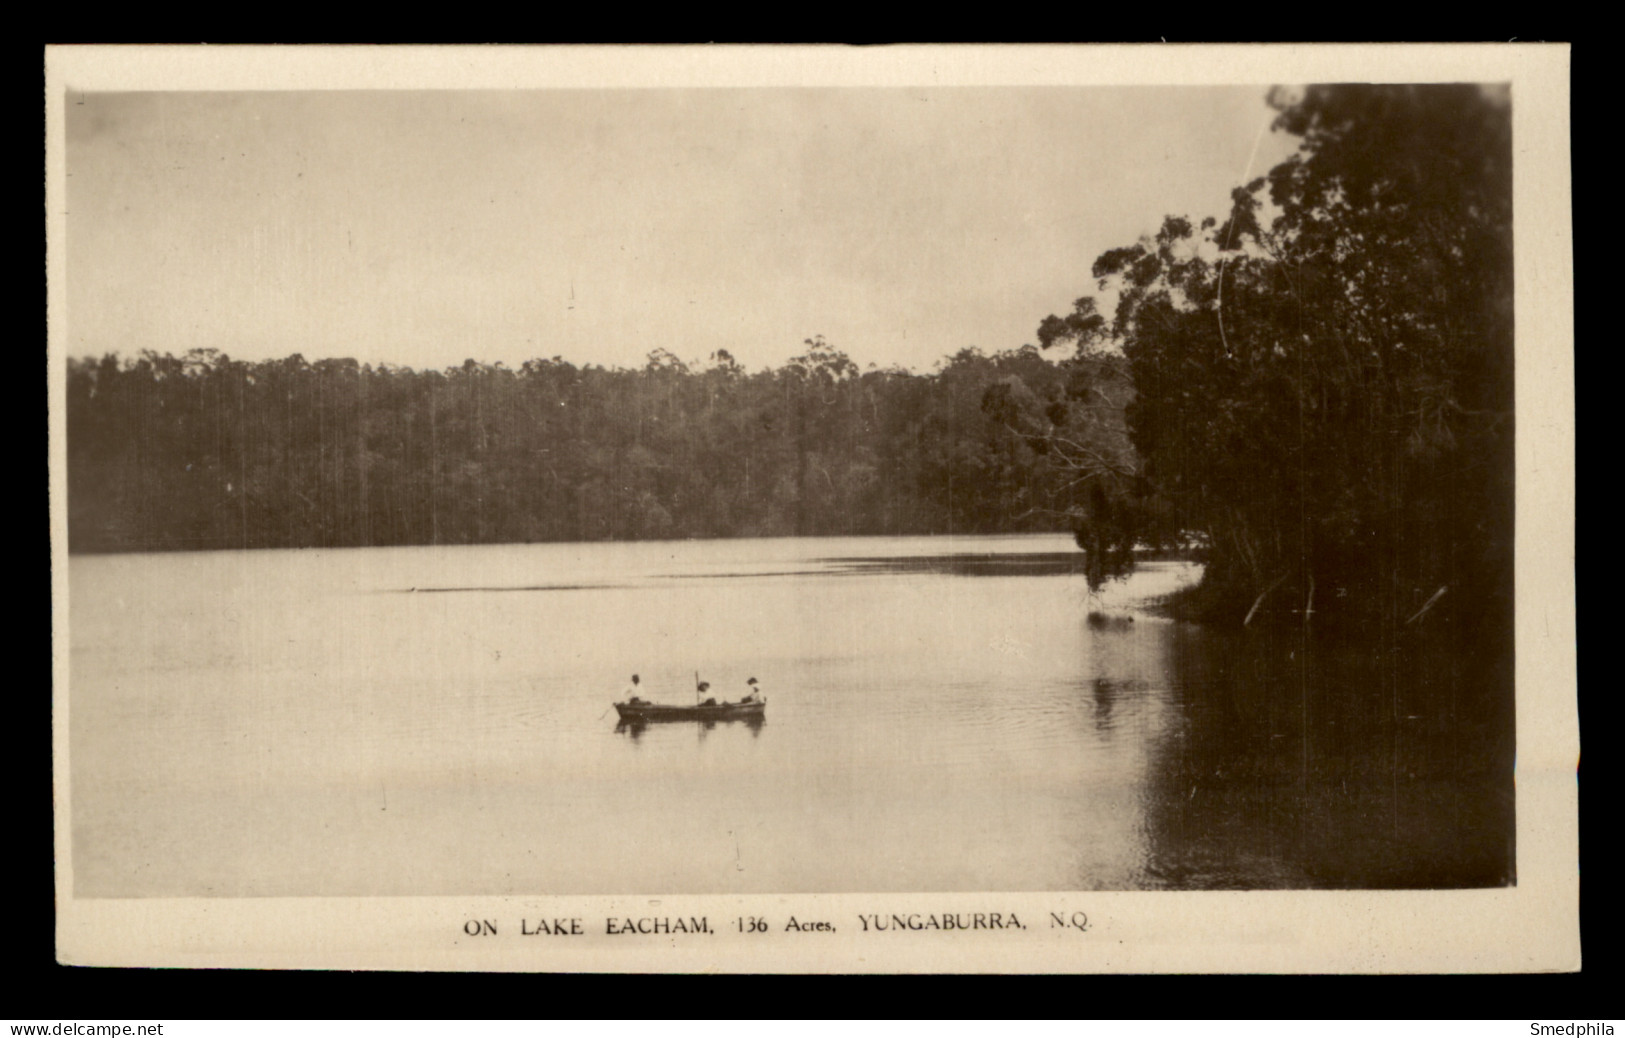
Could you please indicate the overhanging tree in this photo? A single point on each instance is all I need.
(1323, 381)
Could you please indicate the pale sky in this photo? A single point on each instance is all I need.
(423, 228)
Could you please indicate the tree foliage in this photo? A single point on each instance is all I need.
(1323, 380)
(1078, 422)
(205, 451)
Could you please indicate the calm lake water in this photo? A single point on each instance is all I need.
(943, 714)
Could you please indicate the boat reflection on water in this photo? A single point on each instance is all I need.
(636, 727)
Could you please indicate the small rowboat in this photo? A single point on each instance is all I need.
(713, 712)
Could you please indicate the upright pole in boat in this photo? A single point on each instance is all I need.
(696, 688)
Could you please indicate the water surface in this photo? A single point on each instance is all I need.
(943, 714)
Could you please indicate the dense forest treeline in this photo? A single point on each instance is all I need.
(203, 451)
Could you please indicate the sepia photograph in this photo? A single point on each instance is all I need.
(792, 495)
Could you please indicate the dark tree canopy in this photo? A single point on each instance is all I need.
(1323, 380)
(203, 451)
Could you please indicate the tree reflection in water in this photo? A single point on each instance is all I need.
(1305, 761)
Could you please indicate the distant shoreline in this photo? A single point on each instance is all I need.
(1140, 554)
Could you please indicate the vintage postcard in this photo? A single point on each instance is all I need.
(813, 509)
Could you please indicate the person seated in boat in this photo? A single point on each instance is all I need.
(632, 690)
(755, 693)
(705, 686)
